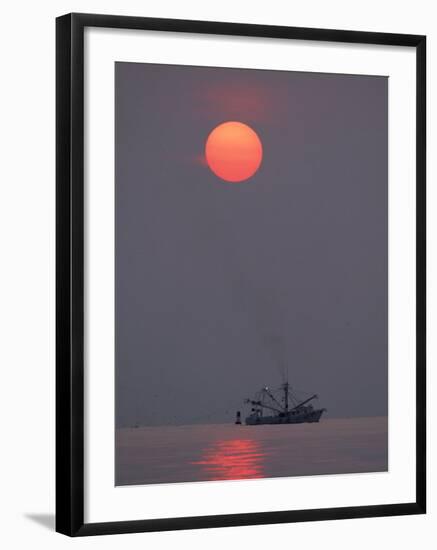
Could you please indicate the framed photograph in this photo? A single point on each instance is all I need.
(240, 274)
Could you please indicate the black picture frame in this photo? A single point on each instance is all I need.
(70, 273)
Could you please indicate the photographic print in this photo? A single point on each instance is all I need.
(251, 273)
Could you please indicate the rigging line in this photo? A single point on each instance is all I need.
(273, 398)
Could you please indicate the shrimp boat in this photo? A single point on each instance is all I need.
(281, 406)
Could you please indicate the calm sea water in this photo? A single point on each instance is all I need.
(173, 454)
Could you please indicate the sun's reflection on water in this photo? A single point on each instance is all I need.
(233, 459)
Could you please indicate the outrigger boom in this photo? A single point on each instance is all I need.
(315, 396)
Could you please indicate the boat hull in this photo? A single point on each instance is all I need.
(290, 418)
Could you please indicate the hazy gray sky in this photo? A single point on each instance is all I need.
(220, 285)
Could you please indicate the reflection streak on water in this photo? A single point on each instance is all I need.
(233, 459)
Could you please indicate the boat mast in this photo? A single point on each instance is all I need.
(285, 387)
(286, 396)
(286, 390)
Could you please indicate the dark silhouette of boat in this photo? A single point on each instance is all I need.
(281, 406)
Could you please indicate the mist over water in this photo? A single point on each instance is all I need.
(218, 452)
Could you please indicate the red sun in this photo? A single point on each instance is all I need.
(233, 151)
